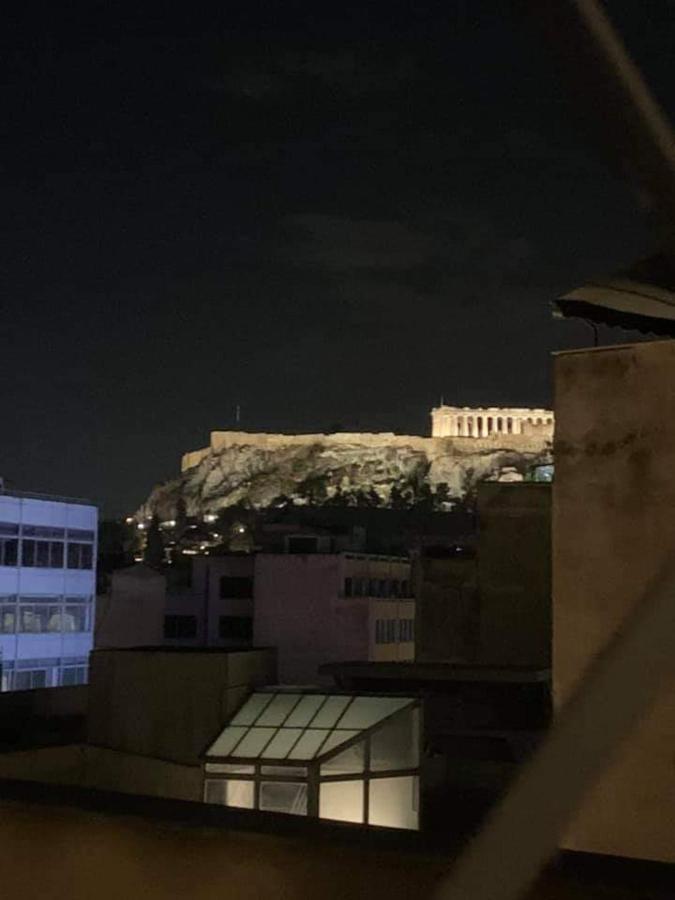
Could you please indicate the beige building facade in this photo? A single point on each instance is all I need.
(613, 530)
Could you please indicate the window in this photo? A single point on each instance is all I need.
(229, 793)
(284, 797)
(71, 675)
(236, 587)
(235, 628)
(30, 679)
(80, 534)
(303, 544)
(8, 528)
(382, 588)
(33, 619)
(407, 630)
(42, 554)
(42, 531)
(405, 589)
(76, 615)
(386, 631)
(393, 588)
(349, 587)
(7, 615)
(80, 556)
(180, 627)
(8, 551)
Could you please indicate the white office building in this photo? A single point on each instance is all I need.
(47, 590)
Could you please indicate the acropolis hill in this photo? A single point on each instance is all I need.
(466, 446)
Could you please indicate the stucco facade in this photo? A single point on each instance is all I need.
(319, 608)
(613, 529)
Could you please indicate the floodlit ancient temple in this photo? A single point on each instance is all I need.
(465, 421)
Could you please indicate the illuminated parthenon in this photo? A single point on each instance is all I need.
(466, 421)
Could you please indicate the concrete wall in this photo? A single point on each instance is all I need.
(446, 591)
(131, 614)
(82, 765)
(514, 573)
(300, 608)
(166, 703)
(295, 603)
(613, 528)
(44, 703)
(50, 851)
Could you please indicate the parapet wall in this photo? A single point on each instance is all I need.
(533, 441)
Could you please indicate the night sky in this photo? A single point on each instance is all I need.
(328, 213)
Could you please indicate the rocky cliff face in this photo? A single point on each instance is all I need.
(376, 469)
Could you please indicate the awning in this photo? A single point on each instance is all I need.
(640, 298)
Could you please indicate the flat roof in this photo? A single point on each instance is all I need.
(437, 671)
(50, 498)
(223, 651)
(571, 876)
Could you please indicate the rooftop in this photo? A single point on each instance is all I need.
(51, 498)
(437, 671)
(143, 846)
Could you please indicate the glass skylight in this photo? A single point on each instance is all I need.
(287, 726)
(333, 756)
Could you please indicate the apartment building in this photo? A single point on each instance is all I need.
(47, 589)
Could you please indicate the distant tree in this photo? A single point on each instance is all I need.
(153, 554)
(181, 515)
(116, 541)
(314, 490)
(337, 498)
(398, 498)
(374, 498)
(424, 498)
(442, 496)
(361, 498)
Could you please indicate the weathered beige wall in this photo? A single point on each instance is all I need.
(447, 609)
(514, 573)
(131, 614)
(107, 770)
(169, 704)
(613, 528)
(51, 852)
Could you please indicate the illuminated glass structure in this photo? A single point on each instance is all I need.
(353, 758)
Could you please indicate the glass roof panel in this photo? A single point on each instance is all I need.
(300, 727)
(250, 711)
(304, 711)
(225, 742)
(254, 742)
(330, 712)
(281, 743)
(308, 744)
(337, 737)
(278, 709)
(364, 712)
